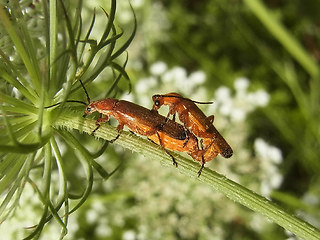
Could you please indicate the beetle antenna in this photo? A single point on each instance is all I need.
(75, 101)
(88, 98)
(180, 97)
(199, 102)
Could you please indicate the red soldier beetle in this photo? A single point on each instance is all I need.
(159, 129)
(139, 120)
(196, 122)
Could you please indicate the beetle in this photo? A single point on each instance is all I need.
(196, 122)
(161, 130)
(157, 128)
(138, 119)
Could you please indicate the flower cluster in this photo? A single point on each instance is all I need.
(269, 157)
(242, 103)
(147, 201)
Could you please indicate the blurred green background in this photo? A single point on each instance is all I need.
(259, 64)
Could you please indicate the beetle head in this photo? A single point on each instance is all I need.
(166, 99)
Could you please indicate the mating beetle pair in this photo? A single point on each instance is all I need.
(165, 132)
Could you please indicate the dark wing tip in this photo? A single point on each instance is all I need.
(227, 153)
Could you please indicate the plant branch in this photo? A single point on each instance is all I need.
(232, 190)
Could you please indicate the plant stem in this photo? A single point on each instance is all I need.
(283, 36)
(231, 189)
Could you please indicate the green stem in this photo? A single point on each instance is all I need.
(283, 36)
(186, 166)
(53, 39)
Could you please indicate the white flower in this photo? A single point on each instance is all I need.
(261, 147)
(276, 180)
(275, 155)
(224, 102)
(103, 230)
(129, 235)
(241, 84)
(222, 94)
(266, 151)
(137, 3)
(158, 68)
(269, 156)
(242, 103)
(176, 74)
(237, 114)
(257, 222)
(145, 84)
(259, 98)
(197, 77)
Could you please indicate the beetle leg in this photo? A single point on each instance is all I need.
(160, 142)
(160, 126)
(174, 117)
(99, 121)
(202, 166)
(119, 128)
(188, 137)
(98, 126)
(201, 144)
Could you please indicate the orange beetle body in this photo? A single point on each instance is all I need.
(161, 130)
(197, 122)
(137, 118)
